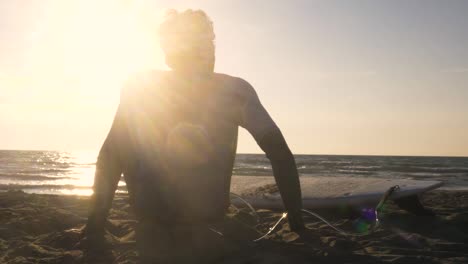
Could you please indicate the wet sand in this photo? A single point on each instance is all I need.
(39, 229)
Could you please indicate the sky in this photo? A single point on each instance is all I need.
(338, 77)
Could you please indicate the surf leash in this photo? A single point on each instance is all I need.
(254, 213)
(377, 211)
(380, 205)
(271, 229)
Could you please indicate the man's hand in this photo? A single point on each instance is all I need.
(96, 246)
(296, 222)
(90, 240)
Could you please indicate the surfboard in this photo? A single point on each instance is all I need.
(326, 192)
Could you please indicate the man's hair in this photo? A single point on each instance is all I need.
(183, 34)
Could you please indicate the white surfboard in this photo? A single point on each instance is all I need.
(323, 192)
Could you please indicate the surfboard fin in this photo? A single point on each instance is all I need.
(413, 205)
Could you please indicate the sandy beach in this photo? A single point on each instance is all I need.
(36, 228)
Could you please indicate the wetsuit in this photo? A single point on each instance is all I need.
(174, 139)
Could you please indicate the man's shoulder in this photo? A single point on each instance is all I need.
(231, 79)
(236, 85)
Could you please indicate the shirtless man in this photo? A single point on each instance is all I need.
(174, 139)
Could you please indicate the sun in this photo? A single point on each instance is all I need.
(95, 45)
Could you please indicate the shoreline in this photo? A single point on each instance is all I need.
(121, 189)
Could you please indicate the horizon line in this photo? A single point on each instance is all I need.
(296, 154)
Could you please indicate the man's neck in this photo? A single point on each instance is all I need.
(193, 74)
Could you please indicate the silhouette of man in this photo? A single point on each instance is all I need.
(174, 139)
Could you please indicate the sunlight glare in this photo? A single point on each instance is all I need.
(94, 45)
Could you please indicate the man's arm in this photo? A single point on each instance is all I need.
(270, 139)
(286, 175)
(109, 167)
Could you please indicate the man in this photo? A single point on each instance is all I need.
(174, 138)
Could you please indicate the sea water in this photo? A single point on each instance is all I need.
(56, 172)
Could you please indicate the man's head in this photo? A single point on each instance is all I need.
(187, 39)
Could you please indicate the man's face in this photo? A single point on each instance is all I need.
(195, 54)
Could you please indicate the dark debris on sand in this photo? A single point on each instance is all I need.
(40, 229)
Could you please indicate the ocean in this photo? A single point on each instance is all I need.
(55, 172)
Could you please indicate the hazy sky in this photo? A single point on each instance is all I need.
(338, 77)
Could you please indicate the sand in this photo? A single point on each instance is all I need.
(42, 229)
